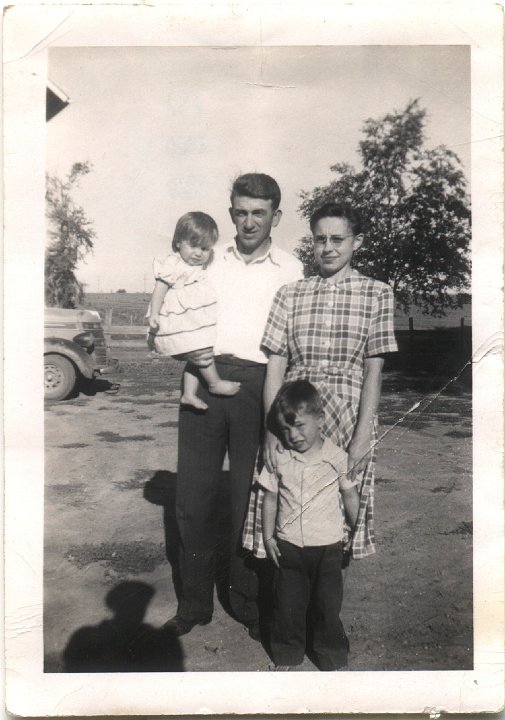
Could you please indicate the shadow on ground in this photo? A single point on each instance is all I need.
(161, 490)
(125, 643)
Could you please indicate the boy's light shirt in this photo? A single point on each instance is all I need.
(244, 295)
(309, 510)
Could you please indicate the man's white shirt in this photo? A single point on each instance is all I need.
(244, 295)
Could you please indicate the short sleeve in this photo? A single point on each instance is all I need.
(381, 336)
(167, 269)
(267, 480)
(275, 336)
(339, 460)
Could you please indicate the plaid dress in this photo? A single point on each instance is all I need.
(326, 330)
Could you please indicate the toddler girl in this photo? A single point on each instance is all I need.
(182, 313)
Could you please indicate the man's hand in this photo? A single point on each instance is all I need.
(273, 552)
(201, 358)
(271, 447)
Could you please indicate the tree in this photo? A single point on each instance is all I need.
(415, 212)
(70, 238)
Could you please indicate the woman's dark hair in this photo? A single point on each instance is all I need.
(338, 210)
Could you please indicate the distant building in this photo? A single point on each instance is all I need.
(56, 100)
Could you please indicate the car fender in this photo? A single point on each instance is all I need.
(85, 362)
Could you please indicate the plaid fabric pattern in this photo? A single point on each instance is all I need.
(326, 330)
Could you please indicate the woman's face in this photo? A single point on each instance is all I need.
(334, 245)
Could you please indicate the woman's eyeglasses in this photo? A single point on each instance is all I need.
(335, 240)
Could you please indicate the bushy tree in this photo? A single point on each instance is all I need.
(415, 211)
(70, 238)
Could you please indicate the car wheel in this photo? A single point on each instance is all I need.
(59, 377)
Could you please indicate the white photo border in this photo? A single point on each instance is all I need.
(28, 31)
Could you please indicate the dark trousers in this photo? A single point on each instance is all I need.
(309, 576)
(230, 424)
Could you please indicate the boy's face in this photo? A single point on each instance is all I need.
(303, 432)
(253, 218)
(334, 244)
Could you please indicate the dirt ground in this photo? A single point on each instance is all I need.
(110, 473)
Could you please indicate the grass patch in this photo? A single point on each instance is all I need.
(124, 559)
(113, 437)
(73, 446)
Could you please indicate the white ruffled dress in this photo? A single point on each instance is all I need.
(188, 313)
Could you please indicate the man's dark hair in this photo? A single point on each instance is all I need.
(296, 396)
(338, 210)
(257, 185)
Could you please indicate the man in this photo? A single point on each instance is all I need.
(246, 274)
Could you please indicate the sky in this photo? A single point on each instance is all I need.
(167, 129)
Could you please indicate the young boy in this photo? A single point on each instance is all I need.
(303, 528)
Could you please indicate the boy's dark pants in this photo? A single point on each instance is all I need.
(233, 424)
(309, 575)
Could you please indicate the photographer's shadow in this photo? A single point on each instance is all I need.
(125, 643)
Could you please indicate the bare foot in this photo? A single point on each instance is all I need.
(193, 401)
(224, 387)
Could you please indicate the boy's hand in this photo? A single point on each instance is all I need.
(359, 453)
(273, 552)
(346, 555)
(271, 446)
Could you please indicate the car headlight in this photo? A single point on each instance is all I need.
(85, 339)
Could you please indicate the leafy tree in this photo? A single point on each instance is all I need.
(70, 238)
(415, 212)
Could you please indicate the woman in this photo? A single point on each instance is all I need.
(333, 330)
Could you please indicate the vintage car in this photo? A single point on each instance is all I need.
(74, 350)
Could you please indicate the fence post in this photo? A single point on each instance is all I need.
(411, 335)
(108, 318)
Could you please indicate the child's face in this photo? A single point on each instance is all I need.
(303, 432)
(334, 244)
(194, 254)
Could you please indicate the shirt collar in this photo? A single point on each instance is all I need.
(271, 253)
(320, 283)
(329, 453)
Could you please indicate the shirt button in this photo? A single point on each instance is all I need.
(327, 323)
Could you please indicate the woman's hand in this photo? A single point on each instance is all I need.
(273, 552)
(359, 453)
(271, 447)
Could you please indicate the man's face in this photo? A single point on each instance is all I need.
(253, 219)
(303, 432)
